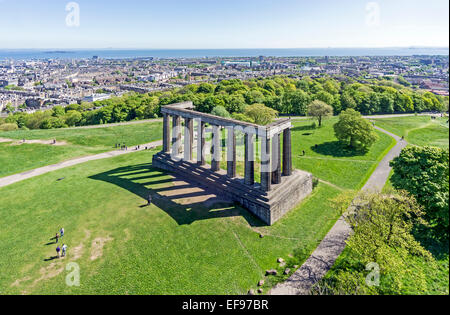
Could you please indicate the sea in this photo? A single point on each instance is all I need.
(35, 54)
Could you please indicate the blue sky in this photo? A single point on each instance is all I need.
(198, 24)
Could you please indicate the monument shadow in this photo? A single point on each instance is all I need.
(184, 214)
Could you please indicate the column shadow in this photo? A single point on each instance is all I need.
(143, 180)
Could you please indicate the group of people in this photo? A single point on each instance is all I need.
(60, 251)
(121, 146)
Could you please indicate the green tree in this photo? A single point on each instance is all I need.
(424, 173)
(319, 110)
(296, 102)
(260, 114)
(355, 131)
(382, 226)
(73, 118)
(221, 112)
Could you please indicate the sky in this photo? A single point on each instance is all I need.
(213, 24)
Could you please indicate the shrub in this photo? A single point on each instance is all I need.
(9, 127)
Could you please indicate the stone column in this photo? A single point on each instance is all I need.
(217, 149)
(287, 153)
(276, 160)
(266, 174)
(231, 153)
(249, 160)
(201, 143)
(166, 133)
(188, 138)
(176, 136)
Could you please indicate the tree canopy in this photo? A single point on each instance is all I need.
(319, 110)
(424, 173)
(355, 131)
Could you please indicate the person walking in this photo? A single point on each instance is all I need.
(61, 232)
(56, 238)
(58, 252)
(149, 199)
(64, 250)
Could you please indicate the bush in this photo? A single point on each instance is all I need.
(9, 127)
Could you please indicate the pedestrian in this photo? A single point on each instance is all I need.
(61, 232)
(58, 251)
(149, 199)
(64, 250)
(56, 238)
(304, 153)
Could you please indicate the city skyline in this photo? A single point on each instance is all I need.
(201, 24)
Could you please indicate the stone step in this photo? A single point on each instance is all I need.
(221, 183)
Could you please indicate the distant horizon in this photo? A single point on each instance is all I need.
(241, 48)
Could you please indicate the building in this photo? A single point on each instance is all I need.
(96, 97)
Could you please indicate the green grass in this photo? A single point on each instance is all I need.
(332, 162)
(418, 130)
(167, 248)
(81, 142)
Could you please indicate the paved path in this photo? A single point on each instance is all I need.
(5, 181)
(324, 257)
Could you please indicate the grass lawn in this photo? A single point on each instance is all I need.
(168, 248)
(331, 162)
(418, 130)
(81, 142)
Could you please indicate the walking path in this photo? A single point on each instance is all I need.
(5, 181)
(324, 257)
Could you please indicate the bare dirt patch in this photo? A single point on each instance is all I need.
(97, 247)
(49, 272)
(19, 281)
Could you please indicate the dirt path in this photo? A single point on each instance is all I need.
(325, 255)
(8, 180)
(20, 142)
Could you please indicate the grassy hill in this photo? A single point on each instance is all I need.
(183, 244)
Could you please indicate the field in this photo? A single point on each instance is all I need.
(183, 244)
(80, 142)
(418, 130)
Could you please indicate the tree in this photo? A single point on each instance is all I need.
(355, 131)
(72, 118)
(424, 173)
(296, 102)
(220, 111)
(382, 225)
(243, 117)
(260, 114)
(319, 110)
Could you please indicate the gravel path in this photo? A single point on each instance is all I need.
(324, 257)
(5, 181)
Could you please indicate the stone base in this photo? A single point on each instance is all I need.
(267, 206)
